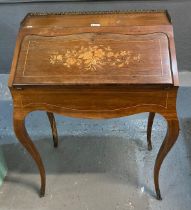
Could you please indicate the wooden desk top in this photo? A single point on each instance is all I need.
(95, 48)
(105, 19)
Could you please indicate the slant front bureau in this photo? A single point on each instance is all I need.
(95, 65)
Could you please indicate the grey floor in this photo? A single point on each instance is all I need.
(99, 165)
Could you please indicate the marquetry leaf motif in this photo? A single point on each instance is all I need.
(94, 57)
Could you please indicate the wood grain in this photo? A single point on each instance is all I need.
(91, 58)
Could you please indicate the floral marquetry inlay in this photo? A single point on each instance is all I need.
(94, 57)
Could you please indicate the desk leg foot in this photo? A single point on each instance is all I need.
(170, 139)
(53, 127)
(42, 192)
(149, 129)
(158, 195)
(23, 137)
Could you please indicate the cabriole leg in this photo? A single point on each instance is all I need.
(53, 127)
(170, 139)
(149, 129)
(23, 137)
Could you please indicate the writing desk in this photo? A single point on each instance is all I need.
(95, 65)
